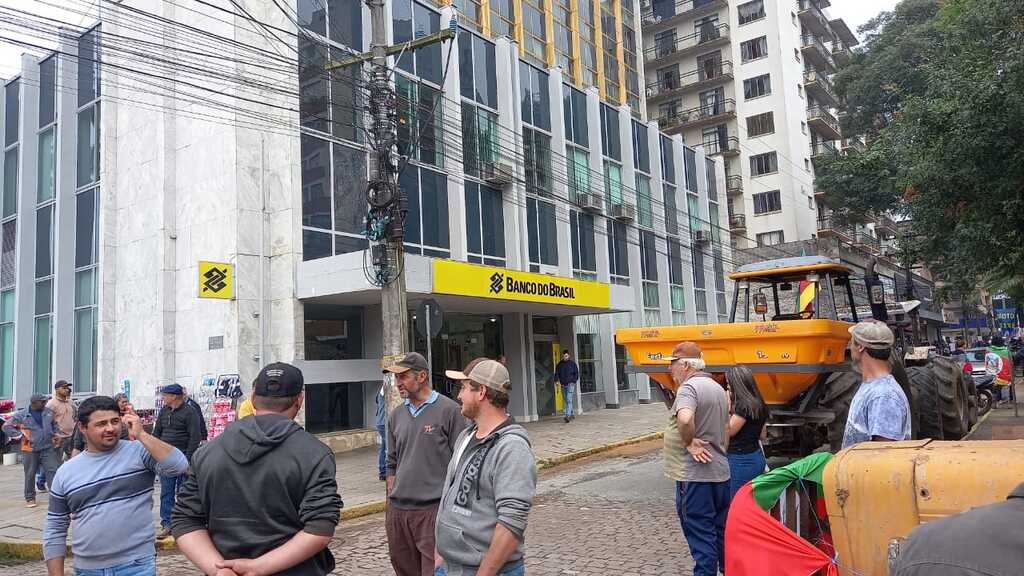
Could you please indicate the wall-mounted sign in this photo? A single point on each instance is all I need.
(216, 280)
(479, 281)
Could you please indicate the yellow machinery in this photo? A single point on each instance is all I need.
(878, 492)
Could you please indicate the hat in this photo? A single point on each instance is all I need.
(872, 334)
(492, 374)
(688, 350)
(278, 380)
(412, 361)
(175, 389)
(38, 398)
(62, 384)
(457, 375)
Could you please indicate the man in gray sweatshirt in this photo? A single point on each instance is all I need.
(491, 480)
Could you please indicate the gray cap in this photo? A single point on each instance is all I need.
(872, 334)
(492, 374)
(39, 398)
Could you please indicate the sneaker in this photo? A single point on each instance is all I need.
(566, 418)
(163, 532)
(30, 504)
(40, 487)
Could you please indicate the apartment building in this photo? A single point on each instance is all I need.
(544, 209)
(749, 81)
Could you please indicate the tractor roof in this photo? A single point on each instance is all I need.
(788, 269)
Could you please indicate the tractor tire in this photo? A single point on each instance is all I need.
(941, 401)
(842, 386)
(899, 373)
(948, 373)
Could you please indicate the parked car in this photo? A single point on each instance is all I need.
(974, 362)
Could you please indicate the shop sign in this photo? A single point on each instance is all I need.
(216, 280)
(465, 279)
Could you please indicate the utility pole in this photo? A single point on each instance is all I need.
(385, 220)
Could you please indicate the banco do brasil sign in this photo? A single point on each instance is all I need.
(464, 279)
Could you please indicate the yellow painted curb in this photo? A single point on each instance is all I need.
(363, 510)
(546, 463)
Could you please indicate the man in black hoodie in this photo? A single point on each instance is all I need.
(262, 497)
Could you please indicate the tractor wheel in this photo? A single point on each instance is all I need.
(842, 386)
(958, 416)
(899, 373)
(941, 404)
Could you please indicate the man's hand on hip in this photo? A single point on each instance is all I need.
(699, 450)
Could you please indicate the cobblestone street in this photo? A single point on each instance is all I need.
(608, 514)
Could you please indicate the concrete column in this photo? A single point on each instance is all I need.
(629, 172)
(687, 257)
(606, 355)
(453, 144)
(24, 328)
(64, 220)
(519, 352)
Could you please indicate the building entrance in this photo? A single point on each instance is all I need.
(463, 337)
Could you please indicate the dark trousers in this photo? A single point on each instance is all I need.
(169, 486)
(382, 453)
(702, 508)
(46, 460)
(411, 540)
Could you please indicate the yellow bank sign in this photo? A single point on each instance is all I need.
(462, 279)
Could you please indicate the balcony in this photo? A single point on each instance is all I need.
(699, 116)
(887, 225)
(733, 184)
(823, 122)
(853, 144)
(815, 52)
(867, 240)
(819, 86)
(841, 54)
(813, 18)
(823, 150)
(828, 226)
(666, 15)
(703, 77)
(737, 222)
(662, 51)
(726, 146)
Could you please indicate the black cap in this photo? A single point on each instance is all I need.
(278, 379)
(411, 361)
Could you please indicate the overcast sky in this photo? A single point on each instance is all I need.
(857, 12)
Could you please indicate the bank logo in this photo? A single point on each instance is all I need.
(215, 280)
(497, 280)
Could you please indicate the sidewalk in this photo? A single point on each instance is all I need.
(1000, 423)
(553, 442)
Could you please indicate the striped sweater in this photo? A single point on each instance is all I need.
(109, 498)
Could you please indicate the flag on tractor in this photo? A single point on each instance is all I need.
(807, 289)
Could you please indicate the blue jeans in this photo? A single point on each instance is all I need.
(567, 396)
(169, 486)
(702, 508)
(517, 570)
(743, 468)
(138, 567)
(382, 454)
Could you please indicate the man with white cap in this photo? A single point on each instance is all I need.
(879, 410)
(490, 484)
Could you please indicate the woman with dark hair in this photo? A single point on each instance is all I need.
(746, 427)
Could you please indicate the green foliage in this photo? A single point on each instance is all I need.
(940, 93)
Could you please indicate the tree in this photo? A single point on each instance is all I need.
(939, 93)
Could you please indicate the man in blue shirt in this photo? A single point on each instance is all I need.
(879, 410)
(39, 441)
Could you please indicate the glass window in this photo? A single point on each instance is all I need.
(347, 103)
(47, 91)
(12, 102)
(668, 161)
(345, 244)
(770, 238)
(644, 205)
(44, 241)
(8, 264)
(612, 182)
(316, 245)
(44, 297)
(7, 345)
(581, 232)
(479, 140)
(693, 208)
(313, 96)
(85, 350)
(697, 257)
(675, 262)
(316, 182)
(540, 219)
(757, 86)
(86, 209)
(671, 210)
(42, 348)
(766, 163)
(754, 49)
(88, 67)
(419, 121)
(750, 11)
(765, 202)
(85, 287)
(349, 194)
(715, 223)
(47, 170)
(690, 168)
(434, 208)
(88, 146)
(641, 149)
(346, 22)
(428, 58)
(537, 157)
(477, 69)
(648, 255)
(618, 256)
(578, 165)
(312, 16)
(709, 172)
(10, 182)
(759, 124)
(575, 103)
(485, 220)
(535, 99)
(610, 144)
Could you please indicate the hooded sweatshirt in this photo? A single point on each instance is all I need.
(258, 484)
(489, 482)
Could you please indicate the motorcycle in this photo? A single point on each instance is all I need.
(987, 392)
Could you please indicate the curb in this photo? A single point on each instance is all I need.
(34, 550)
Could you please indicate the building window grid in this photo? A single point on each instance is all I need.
(584, 247)
(750, 12)
(754, 49)
(534, 29)
(485, 225)
(757, 86)
(577, 165)
(644, 202)
(541, 240)
(761, 124)
(618, 256)
(766, 163)
(767, 202)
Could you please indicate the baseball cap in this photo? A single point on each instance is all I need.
(461, 375)
(412, 361)
(872, 334)
(62, 384)
(686, 350)
(38, 398)
(278, 379)
(492, 374)
(172, 389)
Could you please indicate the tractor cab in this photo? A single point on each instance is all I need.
(799, 288)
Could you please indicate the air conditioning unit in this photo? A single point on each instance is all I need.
(701, 236)
(497, 174)
(589, 202)
(623, 211)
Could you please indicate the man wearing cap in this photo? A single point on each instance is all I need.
(421, 437)
(64, 415)
(695, 455)
(879, 410)
(38, 434)
(490, 482)
(261, 497)
(178, 425)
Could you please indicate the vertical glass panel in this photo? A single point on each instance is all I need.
(548, 239)
(492, 218)
(473, 217)
(579, 118)
(85, 350)
(574, 238)
(88, 146)
(312, 16)
(85, 287)
(47, 182)
(668, 162)
(716, 229)
(710, 170)
(7, 306)
(435, 208)
(10, 182)
(675, 262)
(693, 207)
(531, 229)
(428, 58)
(466, 65)
(429, 126)
(613, 183)
(671, 211)
(690, 168)
(401, 15)
(346, 101)
(470, 141)
(88, 67)
(44, 297)
(41, 356)
(12, 105)
(525, 92)
(47, 90)
(313, 97)
(409, 182)
(349, 177)
(346, 22)
(641, 149)
(316, 245)
(485, 72)
(44, 241)
(645, 208)
(85, 228)
(6, 360)
(8, 264)
(316, 183)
